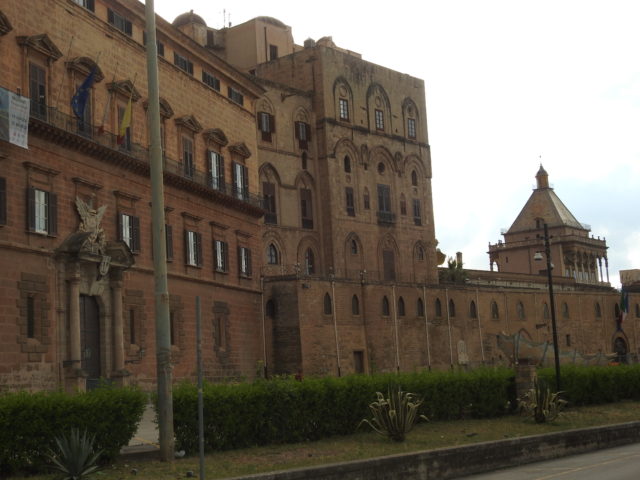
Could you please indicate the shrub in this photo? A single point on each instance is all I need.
(540, 403)
(395, 415)
(31, 421)
(284, 410)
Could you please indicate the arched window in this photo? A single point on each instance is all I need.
(367, 200)
(520, 310)
(414, 178)
(545, 311)
(401, 312)
(347, 164)
(403, 205)
(309, 262)
(270, 309)
(473, 311)
(304, 160)
(354, 246)
(598, 310)
(452, 308)
(355, 305)
(495, 313)
(327, 304)
(565, 310)
(438, 308)
(272, 255)
(385, 306)
(420, 308)
(419, 253)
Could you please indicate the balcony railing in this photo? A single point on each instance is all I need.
(386, 218)
(90, 133)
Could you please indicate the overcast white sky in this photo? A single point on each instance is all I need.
(506, 82)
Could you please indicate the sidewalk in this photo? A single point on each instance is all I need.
(145, 441)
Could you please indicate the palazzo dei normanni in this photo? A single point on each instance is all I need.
(298, 207)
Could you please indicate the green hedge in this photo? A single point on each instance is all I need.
(29, 423)
(286, 410)
(596, 384)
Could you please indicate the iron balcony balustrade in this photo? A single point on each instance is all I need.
(386, 218)
(91, 134)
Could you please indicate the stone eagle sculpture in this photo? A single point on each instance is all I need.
(90, 222)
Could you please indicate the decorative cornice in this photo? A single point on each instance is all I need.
(190, 216)
(41, 43)
(125, 88)
(242, 233)
(40, 168)
(218, 225)
(165, 109)
(5, 24)
(215, 135)
(92, 185)
(189, 122)
(85, 65)
(240, 149)
(128, 196)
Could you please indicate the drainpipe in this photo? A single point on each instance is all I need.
(264, 336)
(479, 325)
(335, 322)
(446, 292)
(395, 322)
(426, 324)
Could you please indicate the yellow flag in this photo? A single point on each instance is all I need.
(125, 123)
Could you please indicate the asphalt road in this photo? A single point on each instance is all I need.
(621, 463)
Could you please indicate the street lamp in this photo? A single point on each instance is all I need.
(538, 257)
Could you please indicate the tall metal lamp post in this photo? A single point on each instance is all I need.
(538, 257)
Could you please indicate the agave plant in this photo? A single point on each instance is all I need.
(395, 415)
(75, 457)
(540, 403)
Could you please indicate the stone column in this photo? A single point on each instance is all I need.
(74, 322)
(118, 328)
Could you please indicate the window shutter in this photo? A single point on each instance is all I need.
(198, 249)
(234, 168)
(307, 128)
(245, 181)
(297, 129)
(169, 240)
(31, 209)
(248, 262)
(91, 6)
(240, 272)
(110, 16)
(135, 234)
(52, 207)
(272, 123)
(127, 27)
(187, 247)
(3, 201)
(225, 257)
(120, 229)
(220, 161)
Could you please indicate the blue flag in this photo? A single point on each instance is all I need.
(79, 100)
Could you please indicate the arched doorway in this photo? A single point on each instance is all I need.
(620, 348)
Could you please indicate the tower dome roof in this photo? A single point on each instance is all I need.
(188, 17)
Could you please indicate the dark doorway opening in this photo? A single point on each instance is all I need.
(90, 340)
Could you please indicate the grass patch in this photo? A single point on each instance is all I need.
(367, 444)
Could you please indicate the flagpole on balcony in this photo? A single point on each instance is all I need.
(163, 329)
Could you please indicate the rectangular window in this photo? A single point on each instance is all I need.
(244, 261)
(187, 157)
(273, 52)
(125, 143)
(358, 361)
(38, 91)
(172, 327)
(183, 63)
(88, 4)
(215, 165)
(42, 211)
(129, 231)
(132, 326)
(379, 120)
(168, 235)
(351, 209)
(303, 134)
(266, 125)
(210, 80)
(221, 255)
(240, 181)
(31, 317)
(388, 265)
(120, 22)
(384, 198)
(417, 215)
(306, 208)
(411, 128)
(343, 104)
(3, 201)
(269, 196)
(193, 248)
(235, 96)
